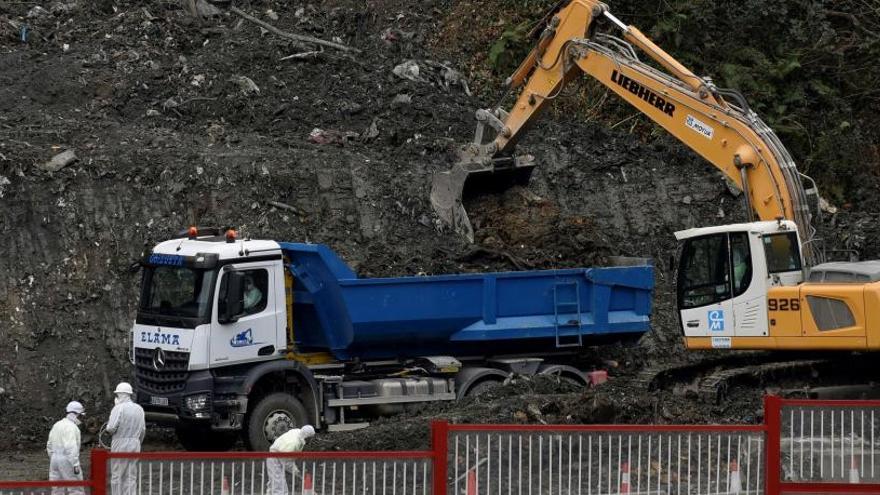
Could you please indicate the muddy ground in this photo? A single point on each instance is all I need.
(176, 121)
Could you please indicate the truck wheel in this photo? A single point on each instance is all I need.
(200, 438)
(273, 415)
(482, 388)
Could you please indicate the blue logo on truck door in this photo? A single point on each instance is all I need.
(243, 339)
(716, 321)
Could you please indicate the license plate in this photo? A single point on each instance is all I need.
(159, 401)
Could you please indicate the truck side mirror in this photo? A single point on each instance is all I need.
(234, 306)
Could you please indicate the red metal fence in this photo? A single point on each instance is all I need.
(820, 447)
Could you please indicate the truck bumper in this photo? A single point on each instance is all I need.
(164, 419)
(164, 408)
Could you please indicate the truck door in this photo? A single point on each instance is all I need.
(705, 288)
(251, 334)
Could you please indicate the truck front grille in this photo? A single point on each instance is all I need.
(167, 379)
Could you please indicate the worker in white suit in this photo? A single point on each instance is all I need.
(277, 468)
(63, 449)
(127, 426)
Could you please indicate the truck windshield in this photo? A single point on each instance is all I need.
(177, 292)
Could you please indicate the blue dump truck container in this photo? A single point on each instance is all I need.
(476, 313)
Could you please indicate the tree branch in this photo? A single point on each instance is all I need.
(291, 36)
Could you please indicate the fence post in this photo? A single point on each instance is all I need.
(440, 448)
(773, 432)
(98, 471)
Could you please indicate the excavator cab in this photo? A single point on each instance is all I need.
(724, 275)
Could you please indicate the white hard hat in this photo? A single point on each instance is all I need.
(75, 407)
(308, 431)
(124, 388)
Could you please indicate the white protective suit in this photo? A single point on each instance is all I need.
(63, 448)
(128, 428)
(292, 441)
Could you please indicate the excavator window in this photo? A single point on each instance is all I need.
(782, 252)
(714, 268)
(704, 277)
(741, 261)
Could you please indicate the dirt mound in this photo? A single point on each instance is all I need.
(545, 400)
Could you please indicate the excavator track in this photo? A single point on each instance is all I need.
(714, 387)
(664, 376)
(712, 379)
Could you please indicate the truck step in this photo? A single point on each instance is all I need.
(348, 427)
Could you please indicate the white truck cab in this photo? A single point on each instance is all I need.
(208, 301)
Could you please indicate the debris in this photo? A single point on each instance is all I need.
(291, 36)
(401, 99)
(246, 84)
(432, 72)
(372, 132)
(59, 161)
(408, 70)
(597, 377)
(197, 80)
(63, 8)
(452, 77)
(320, 136)
(37, 11)
(536, 413)
(285, 206)
(827, 207)
(201, 8)
(687, 200)
(303, 55)
(272, 15)
(152, 112)
(391, 35)
(4, 181)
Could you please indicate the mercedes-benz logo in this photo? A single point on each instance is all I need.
(159, 359)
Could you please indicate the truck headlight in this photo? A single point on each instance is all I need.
(197, 402)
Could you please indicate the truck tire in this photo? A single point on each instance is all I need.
(273, 415)
(482, 388)
(199, 438)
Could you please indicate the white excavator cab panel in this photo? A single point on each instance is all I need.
(724, 273)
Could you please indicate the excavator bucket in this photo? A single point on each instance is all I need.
(473, 175)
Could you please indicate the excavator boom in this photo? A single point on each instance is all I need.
(717, 124)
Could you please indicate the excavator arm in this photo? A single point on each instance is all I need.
(717, 124)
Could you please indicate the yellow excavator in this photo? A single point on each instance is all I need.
(758, 285)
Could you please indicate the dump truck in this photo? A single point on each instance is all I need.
(249, 338)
